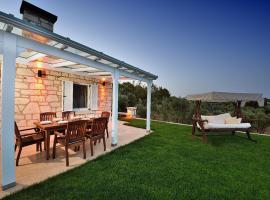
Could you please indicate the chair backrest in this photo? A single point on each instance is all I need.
(47, 116)
(99, 126)
(105, 114)
(75, 130)
(17, 132)
(66, 115)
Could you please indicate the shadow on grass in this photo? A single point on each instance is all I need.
(225, 139)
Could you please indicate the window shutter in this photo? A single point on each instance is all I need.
(67, 95)
(94, 97)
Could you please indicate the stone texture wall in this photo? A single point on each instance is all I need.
(34, 95)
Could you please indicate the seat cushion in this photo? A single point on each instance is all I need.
(227, 126)
(31, 139)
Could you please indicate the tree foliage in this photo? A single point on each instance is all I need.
(166, 107)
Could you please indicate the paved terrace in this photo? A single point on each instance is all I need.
(33, 166)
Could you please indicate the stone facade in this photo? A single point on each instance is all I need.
(34, 95)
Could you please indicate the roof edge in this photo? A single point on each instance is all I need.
(12, 20)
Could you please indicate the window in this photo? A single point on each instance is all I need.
(80, 96)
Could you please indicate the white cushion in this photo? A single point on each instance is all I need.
(225, 126)
(224, 116)
(216, 119)
(212, 119)
(233, 120)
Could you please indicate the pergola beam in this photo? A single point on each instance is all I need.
(63, 64)
(35, 57)
(85, 69)
(53, 51)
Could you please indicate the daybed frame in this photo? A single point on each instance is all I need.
(197, 119)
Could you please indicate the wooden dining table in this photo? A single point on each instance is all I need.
(50, 128)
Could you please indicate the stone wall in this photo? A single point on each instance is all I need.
(34, 95)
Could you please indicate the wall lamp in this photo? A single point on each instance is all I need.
(103, 81)
(41, 73)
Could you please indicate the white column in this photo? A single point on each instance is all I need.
(148, 114)
(8, 88)
(115, 108)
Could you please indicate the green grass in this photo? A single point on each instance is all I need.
(167, 164)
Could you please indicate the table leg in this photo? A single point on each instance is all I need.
(48, 144)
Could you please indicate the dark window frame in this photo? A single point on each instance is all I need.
(80, 96)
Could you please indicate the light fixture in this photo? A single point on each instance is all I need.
(41, 73)
(103, 81)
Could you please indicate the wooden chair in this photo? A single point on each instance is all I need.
(32, 136)
(107, 116)
(66, 115)
(97, 132)
(47, 116)
(74, 135)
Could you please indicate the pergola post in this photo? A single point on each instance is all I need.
(115, 81)
(148, 115)
(8, 90)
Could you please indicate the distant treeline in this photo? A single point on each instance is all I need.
(177, 109)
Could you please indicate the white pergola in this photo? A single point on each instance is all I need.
(69, 56)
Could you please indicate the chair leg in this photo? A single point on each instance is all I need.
(84, 150)
(18, 156)
(54, 146)
(67, 158)
(91, 147)
(15, 148)
(40, 146)
(104, 143)
(107, 131)
(37, 147)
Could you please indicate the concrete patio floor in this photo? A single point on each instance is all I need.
(34, 168)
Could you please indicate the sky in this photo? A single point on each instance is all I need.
(193, 46)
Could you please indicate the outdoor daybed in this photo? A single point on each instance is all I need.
(224, 122)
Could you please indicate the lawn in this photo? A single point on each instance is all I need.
(167, 164)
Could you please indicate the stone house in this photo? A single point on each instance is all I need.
(34, 95)
(43, 71)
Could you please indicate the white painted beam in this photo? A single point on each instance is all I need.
(85, 69)
(98, 73)
(115, 77)
(52, 51)
(148, 106)
(8, 90)
(63, 64)
(133, 76)
(35, 57)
